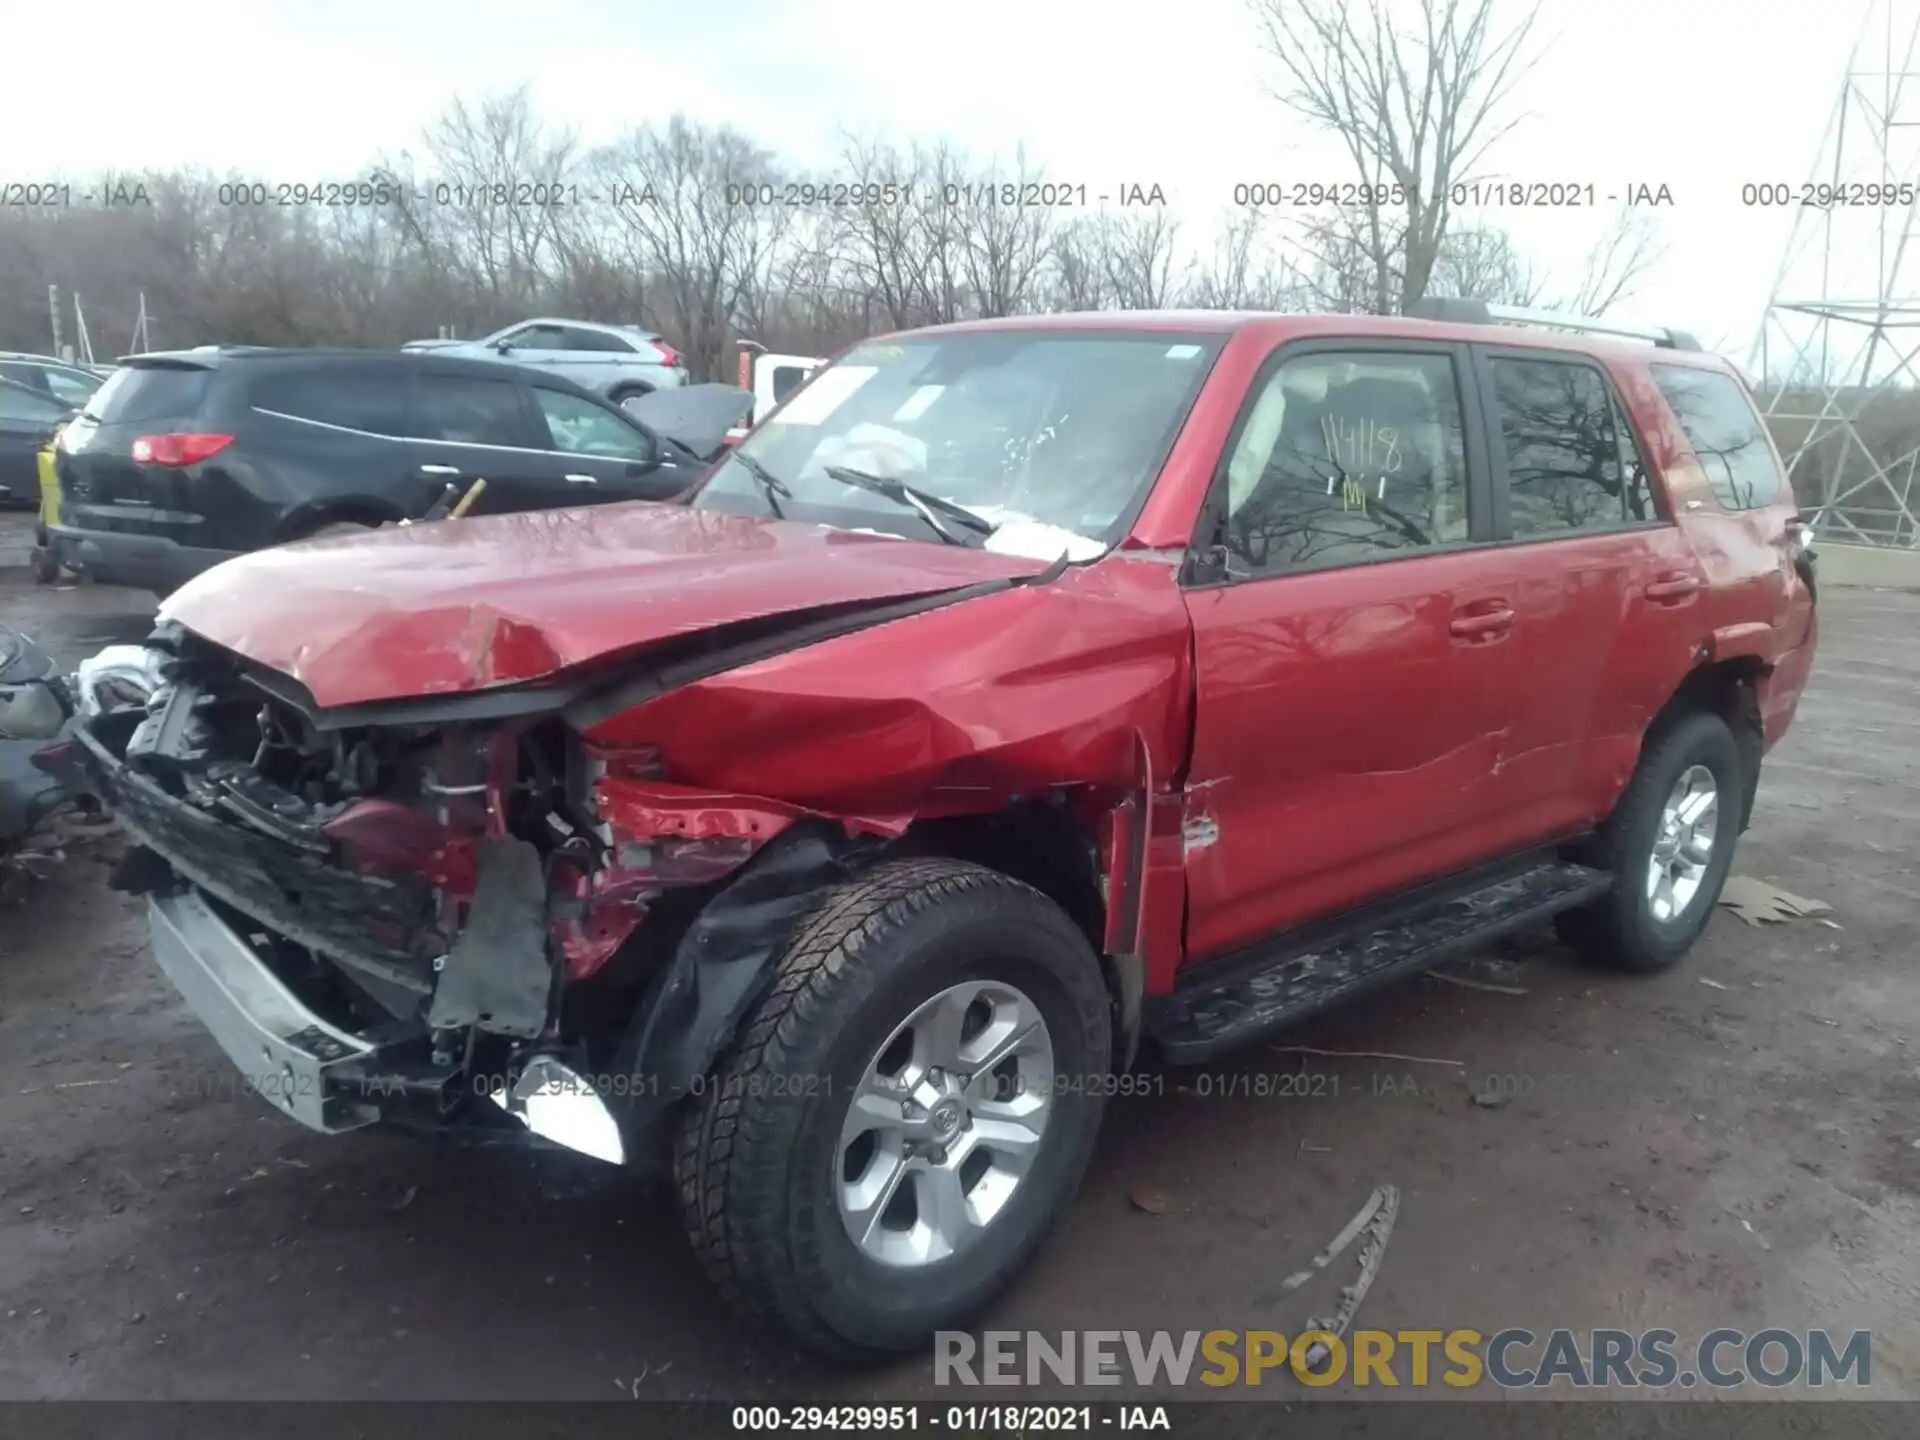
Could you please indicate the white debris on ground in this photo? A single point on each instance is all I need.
(1760, 903)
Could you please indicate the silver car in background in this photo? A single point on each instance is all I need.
(621, 362)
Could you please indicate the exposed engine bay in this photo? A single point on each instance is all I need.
(450, 889)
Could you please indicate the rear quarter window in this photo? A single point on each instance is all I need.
(371, 400)
(135, 394)
(1725, 433)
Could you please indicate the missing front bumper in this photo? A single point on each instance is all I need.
(294, 1058)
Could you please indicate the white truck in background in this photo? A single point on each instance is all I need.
(771, 378)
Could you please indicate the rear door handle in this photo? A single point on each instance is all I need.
(1487, 624)
(584, 479)
(439, 469)
(1672, 589)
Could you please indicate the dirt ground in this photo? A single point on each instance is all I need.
(1735, 1143)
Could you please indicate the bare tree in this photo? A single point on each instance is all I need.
(1140, 248)
(670, 226)
(1245, 270)
(1416, 108)
(1617, 263)
(1126, 260)
(690, 209)
(496, 194)
(1480, 261)
(1002, 243)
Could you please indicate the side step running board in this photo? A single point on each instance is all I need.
(1244, 1000)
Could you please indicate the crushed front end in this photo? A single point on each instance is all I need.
(441, 920)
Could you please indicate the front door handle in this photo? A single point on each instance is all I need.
(1672, 589)
(1489, 623)
(439, 469)
(584, 479)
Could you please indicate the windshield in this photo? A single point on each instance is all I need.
(1051, 437)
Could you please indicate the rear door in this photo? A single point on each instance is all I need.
(332, 434)
(1606, 592)
(465, 426)
(27, 418)
(1744, 534)
(598, 360)
(1344, 629)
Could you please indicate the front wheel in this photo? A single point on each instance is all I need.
(906, 1113)
(1669, 845)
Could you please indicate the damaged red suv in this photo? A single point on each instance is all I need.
(1021, 699)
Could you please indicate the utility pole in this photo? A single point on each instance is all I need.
(142, 340)
(53, 314)
(80, 336)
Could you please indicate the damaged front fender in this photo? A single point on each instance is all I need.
(720, 967)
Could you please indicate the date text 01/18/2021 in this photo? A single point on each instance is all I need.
(1466, 194)
(1018, 194)
(946, 1419)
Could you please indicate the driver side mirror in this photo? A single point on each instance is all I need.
(501, 347)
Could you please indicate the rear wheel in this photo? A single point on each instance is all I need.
(906, 1113)
(1669, 845)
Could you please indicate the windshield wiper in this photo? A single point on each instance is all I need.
(771, 485)
(931, 507)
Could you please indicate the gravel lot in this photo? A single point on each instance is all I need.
(1736, 1143)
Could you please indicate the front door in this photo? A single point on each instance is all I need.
(1343, 634)
(598, 455)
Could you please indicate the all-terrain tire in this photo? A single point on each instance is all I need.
(757, 1152)
(1620, 929)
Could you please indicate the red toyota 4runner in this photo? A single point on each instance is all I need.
(1022, 696)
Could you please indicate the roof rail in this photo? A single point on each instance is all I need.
(1462, 311)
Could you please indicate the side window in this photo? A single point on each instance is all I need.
(69, 388)
(1564, 470)
(1725, 433)
(26, 408)
(467, 410)
(1641, 504)
(580, 427)
(538, 337)
(1346, 457)
(786, 380)
(574, 339)
(371, 400)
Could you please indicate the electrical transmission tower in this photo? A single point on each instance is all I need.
(1838, 355)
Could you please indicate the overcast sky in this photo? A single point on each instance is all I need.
(1699, 95)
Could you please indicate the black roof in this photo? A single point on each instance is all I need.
(219, 357)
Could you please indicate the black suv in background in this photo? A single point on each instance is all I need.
(185, 459)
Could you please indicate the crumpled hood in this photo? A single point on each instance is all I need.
(441, 609)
